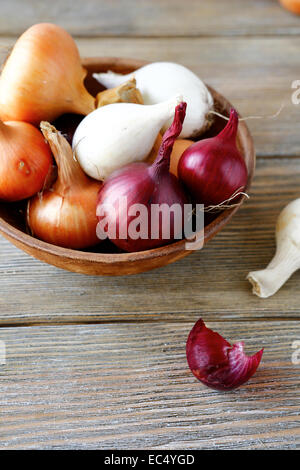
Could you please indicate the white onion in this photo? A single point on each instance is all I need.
(118, 134)
(160, 81)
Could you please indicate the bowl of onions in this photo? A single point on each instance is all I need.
(50, 209)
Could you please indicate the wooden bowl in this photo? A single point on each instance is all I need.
(12, 224)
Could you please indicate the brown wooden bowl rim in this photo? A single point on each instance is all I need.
(108, 258)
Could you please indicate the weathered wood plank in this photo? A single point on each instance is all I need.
(152, 17)
(209, 282)
(128, 386)
(255, 74)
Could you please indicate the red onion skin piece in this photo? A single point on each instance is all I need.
(146, 184)
(215, 362)
(213, 169)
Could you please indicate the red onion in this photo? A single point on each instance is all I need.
(144, 184)
(213, 169)
(67, 125)
(215, 362)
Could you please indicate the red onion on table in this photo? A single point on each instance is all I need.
(213, 170)
(215, 362)
(141, 183)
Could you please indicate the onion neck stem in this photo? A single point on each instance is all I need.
(230, 130)
(70, 173)
(162, 161)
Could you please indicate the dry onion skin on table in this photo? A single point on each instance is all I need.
(43, 77)
(215, 362)
(118, 134)
(43, 80)
(159, 81)
(146, 185)
(65, 214)
(25, 160)
(286, 261)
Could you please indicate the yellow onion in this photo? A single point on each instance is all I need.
(43, 77)
(25, 160)
(65, 214)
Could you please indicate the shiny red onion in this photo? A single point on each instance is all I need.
(215, 362)
(141, 183)
(67, 125)
(213, 169)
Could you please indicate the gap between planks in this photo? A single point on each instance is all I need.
(101, 37)
(111, 321)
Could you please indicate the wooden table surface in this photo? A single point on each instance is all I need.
(99, 362)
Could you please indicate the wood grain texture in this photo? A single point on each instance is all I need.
(209, 282)
(255, 74)
(152, 17)
(125, 384)
(129, 387)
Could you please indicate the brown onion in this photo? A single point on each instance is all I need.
(65, 214)
(25, 160)
(43, 77)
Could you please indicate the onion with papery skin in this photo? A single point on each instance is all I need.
(213, 170)
(145, 185)
(160, 81)
(25, 160)
(291, 5)
(215, 362)
(43, 77)
(65, 214)
(118, 134)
